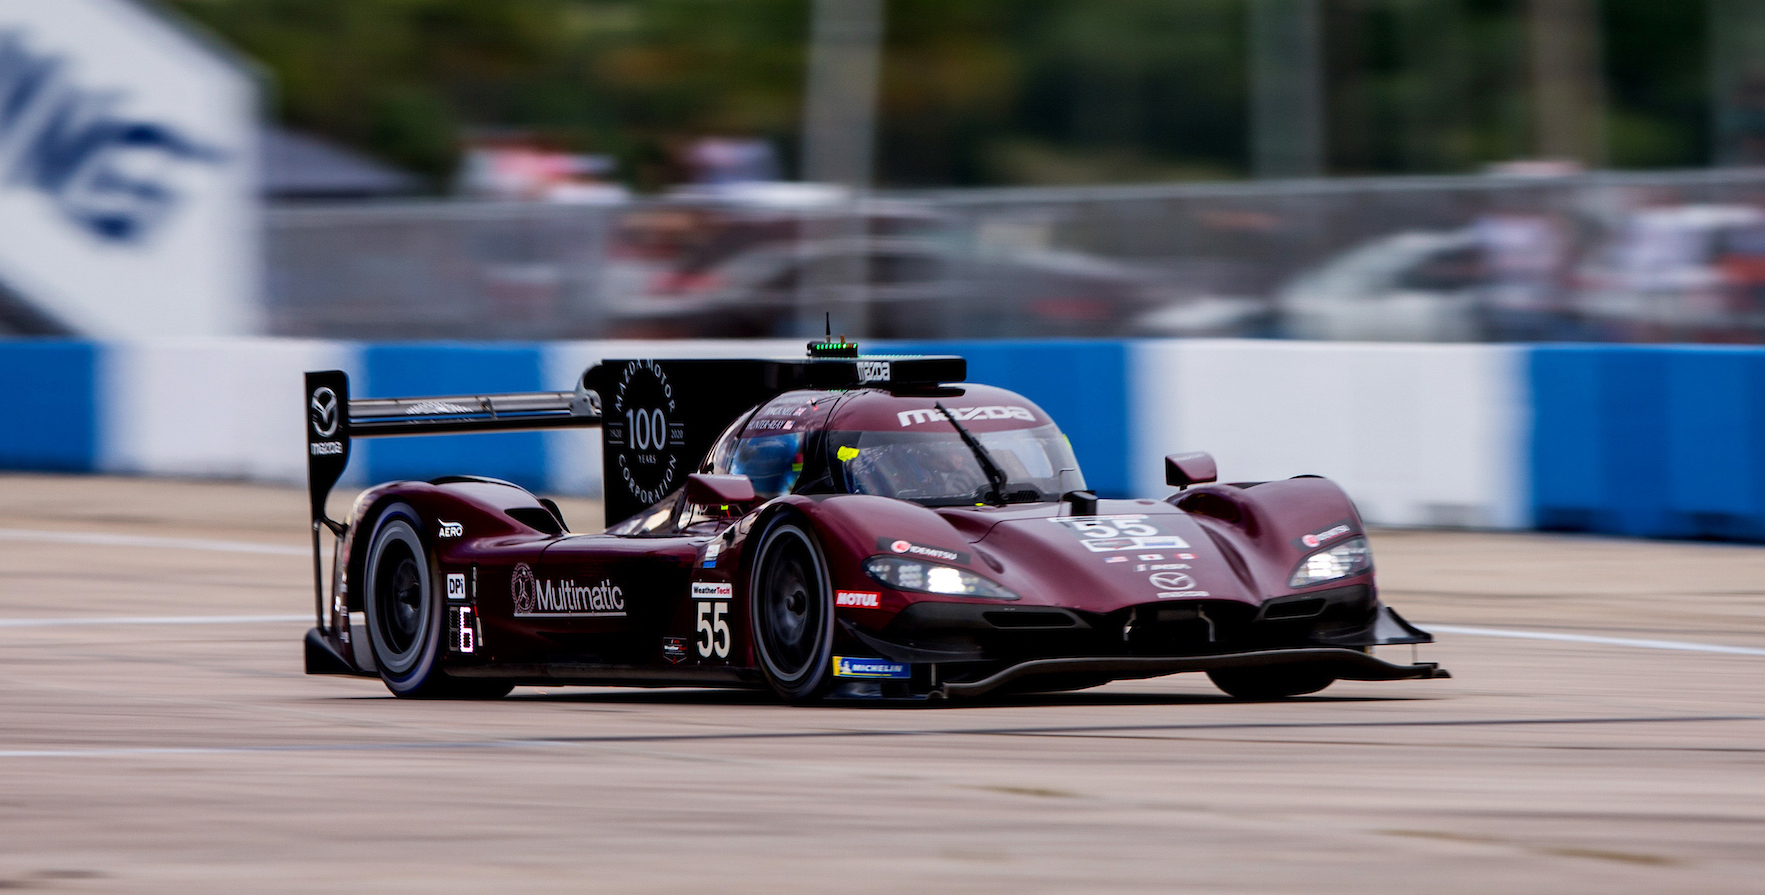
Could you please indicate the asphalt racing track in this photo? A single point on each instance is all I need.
(1605, 732)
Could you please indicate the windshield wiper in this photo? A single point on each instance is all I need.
(994, 474)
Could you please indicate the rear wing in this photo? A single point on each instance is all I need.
(660, 418)
(334, 419)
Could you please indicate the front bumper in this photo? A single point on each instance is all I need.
(976, 633)
(1341, 664)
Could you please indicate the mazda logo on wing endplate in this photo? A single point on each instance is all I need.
(324, 412)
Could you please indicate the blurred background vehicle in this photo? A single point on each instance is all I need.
(1499, 279)
(1413, 287)
(910, 288)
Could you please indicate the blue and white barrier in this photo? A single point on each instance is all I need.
(1660, 441)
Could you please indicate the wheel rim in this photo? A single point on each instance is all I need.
(401, 598)
(791, 609)
(398, 594)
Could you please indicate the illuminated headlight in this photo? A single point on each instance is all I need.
(926, 577)
(1351, 557)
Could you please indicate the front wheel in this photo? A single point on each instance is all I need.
(1278, 682)
(404, 613)
(792, 612)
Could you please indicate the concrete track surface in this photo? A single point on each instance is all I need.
(195, 757)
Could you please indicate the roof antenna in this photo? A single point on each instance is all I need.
(827, 348)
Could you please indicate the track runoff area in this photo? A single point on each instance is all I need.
(1604, 731)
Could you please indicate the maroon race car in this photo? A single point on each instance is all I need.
(831, 526)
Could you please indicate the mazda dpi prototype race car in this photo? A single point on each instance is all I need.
(833, 525)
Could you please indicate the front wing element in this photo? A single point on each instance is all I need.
(1343, 664)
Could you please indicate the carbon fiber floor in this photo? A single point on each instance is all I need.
(144, 756)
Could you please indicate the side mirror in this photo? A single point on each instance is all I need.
(1183, 470)
(719, 490)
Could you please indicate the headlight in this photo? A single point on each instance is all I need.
(1351, 557)
(931, 578)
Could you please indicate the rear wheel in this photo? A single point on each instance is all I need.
(1278, 682)
(404, 613)
(792, 613)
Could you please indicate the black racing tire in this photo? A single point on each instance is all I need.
(1276, 682)
(405, 615)
(791, 611)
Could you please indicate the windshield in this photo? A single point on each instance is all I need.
(937, 469)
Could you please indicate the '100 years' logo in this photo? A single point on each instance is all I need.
(643, 429)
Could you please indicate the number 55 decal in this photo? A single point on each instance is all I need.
(713, 630)
(712, 624)
(1103, 534)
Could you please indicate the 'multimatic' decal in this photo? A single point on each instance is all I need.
(564, 599)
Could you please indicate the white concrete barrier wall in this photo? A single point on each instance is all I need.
(223, 408)
(1417, 434)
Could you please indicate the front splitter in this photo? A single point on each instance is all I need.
(1341, 664)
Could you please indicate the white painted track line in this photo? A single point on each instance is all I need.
(1589, 638)
(151, 620)
(39, 536)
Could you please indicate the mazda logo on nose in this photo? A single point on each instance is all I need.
(1172, 581)
(324, 408)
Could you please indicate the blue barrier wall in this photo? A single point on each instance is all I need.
(1083, 385)
(1649, 441)
(416, 370)
(50, 408)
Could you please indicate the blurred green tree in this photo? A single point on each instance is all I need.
(973, 92)
(409, 79)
